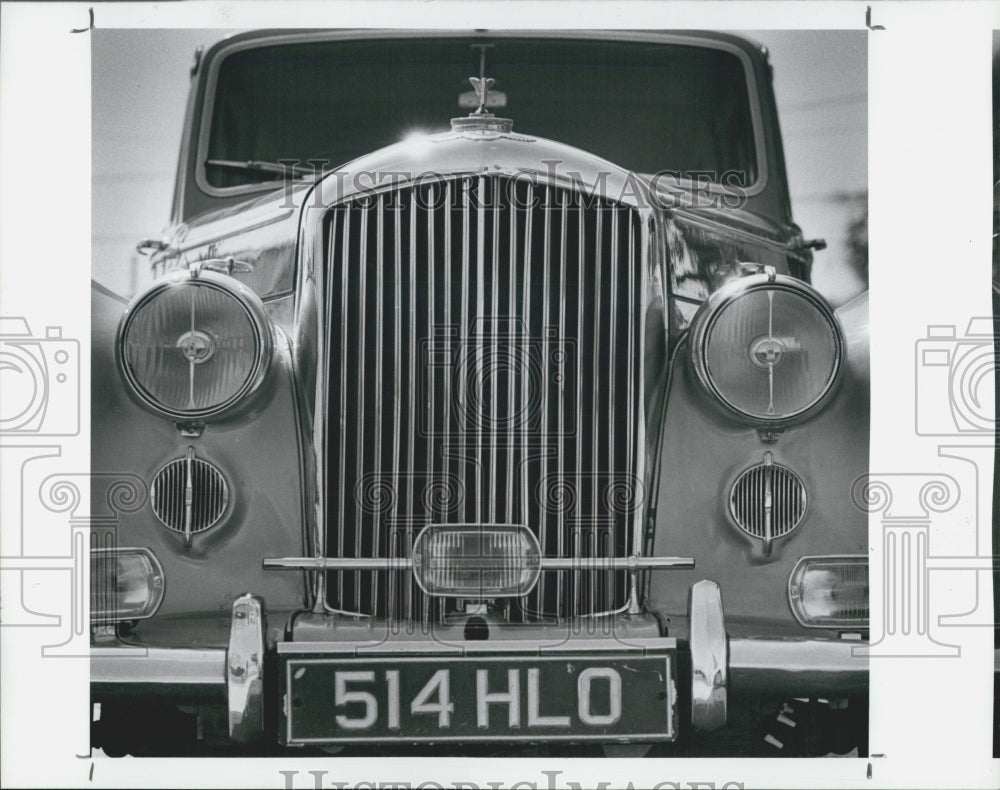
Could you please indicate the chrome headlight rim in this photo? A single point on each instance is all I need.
(713, 308)
(263, 335)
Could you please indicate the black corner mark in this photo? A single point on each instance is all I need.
(868, 20)
(85, 29)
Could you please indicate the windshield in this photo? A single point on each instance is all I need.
(646, 107)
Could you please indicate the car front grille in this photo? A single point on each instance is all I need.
(484, 368)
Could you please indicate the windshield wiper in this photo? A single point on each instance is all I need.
(257, 166)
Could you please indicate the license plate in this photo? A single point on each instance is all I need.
(536, 698)
(529, 698)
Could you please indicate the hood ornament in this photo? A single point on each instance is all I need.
(481, 120)
(481, 85)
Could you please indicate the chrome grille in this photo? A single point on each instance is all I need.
(484, 362)
(189, 495)
(767, 500)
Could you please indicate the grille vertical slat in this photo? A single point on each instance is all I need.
(561, 409)
(595, 462)
(511, 310)
(478, 381)
(446, 406)
(362, 351)
(578, 409)
(378, 433)
(491, 470)
(464, 336)
(476, 352)
(612, 354)
(403, 549)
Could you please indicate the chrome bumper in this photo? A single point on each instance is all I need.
(166, 666)
(746, 667)
(720, 666)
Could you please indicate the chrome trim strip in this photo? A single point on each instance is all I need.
(195, 241)
(362, 349)
(595, 410)
(709, 656)
(612, 346)
(342, 493)
(495, 311)
(127, 664)
(379, 335)
(512, 311)
(543, 514)
(317, 282)
(397, 395)
(446, 406)
(245, 669)
(545, 563)
(188, 495)
(578, 416)
(797, 666)
(478, 468)
(463, 332)
(561, 644)
(412, 418)
(635, 439)
(561, 418)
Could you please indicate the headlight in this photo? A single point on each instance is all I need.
(194, 347)
(768, 348)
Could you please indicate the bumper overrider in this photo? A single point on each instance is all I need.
(666, 679)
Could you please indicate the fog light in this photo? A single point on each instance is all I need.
(473, 561)
(830, 592)
(125, 584)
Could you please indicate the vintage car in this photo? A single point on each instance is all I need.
(480, 400)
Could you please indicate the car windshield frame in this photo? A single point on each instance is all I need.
(694, 39)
